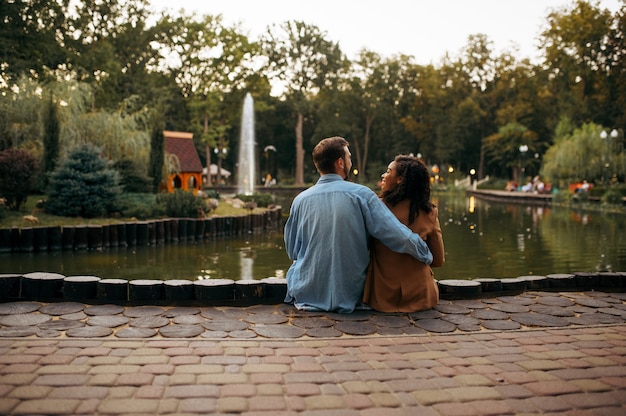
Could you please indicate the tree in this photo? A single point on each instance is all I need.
(52, 131)
(300, 57)
(84, 185)
(578, 55)
(157, 156)
(502, 150)
(17, 169)
(583, 155)
(29, 36)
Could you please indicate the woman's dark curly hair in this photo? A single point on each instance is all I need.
(415, 186)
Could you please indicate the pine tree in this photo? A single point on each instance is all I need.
(84, 185)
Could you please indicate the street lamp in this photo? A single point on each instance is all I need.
(221, 154)
(523, 149)
(606, 138)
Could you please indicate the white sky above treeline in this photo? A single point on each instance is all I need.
(427, 30)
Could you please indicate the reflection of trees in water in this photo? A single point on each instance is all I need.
(508, 240)
(593, 234)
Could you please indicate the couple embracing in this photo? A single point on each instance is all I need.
(352, 248)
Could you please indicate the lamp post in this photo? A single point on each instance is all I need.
(607, 139)
(220, 153)
(270, 167)
(522, 149)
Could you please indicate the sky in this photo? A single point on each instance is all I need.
(426, 30)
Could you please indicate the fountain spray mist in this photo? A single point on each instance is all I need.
(246, 178)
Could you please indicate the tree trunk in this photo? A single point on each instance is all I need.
(207, 150)
(366, 145)
(299, 179)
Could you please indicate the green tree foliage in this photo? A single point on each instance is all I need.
(157, 156)
(301, 57)
(110, 65)
(51, 146)
(579, 54)
(581, 155)
(503, 149)
(29, 37)
(132, 179)
(84, 185)
(17, 168)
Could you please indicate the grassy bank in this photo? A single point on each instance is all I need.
(9, 219)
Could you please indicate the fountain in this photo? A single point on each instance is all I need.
(246, 173)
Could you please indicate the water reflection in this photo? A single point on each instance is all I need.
(482, 239)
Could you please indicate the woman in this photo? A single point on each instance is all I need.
(398, 282)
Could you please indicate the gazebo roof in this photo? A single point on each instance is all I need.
(181, 144)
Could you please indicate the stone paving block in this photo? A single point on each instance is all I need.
(168, 406)
(266, 403)
(158, 369)
(232, 405)
(265, 368)
(473, 380)
(128, 406)
(456, 409)
(589, 401)
(101, 360)
(62, 379)
(269, 389)
(539, 364)
(47, 406)
(29, 392)
(302, 389)
(134, 379)
(114, 369)
(122, 392)
(491, 407)
(324, 402)
(552, 388)
(466, 394)
(549, 404)
(102, 380)
(88, 407)
(150, 392)
(197, 405)
(431, 397)
(17, 379)
(513, 391)
(187, 391)
(79, 392)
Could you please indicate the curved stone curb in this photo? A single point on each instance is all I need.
(50, 287)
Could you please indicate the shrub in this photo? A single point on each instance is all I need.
(181, 204)
(131, 178)
(141, 206)
(84, 185)
(17, 168)
(612, 196)
(261, 199)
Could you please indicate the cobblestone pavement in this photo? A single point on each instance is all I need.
(533, 353)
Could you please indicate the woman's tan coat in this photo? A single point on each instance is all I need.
(397, 282)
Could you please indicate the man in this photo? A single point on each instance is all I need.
(327, 235)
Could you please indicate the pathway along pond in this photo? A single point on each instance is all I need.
(483, 239)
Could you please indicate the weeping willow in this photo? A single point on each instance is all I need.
(121, 134)
(582, 155)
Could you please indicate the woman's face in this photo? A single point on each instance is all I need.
(390, 178)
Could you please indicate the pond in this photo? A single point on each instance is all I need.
(483, 239)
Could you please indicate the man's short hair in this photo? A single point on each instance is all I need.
(326, 153)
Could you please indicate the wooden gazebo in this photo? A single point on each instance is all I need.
(189, 178)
